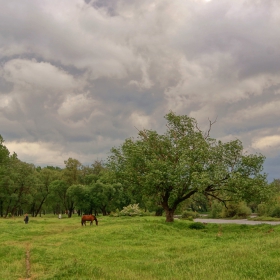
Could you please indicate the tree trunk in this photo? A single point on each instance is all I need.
(40, 206)
(103, 209)
(169, 212)
(71, 210)
(169, 215)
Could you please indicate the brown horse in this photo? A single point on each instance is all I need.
(89, 218)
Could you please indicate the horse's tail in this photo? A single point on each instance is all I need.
(96, 221)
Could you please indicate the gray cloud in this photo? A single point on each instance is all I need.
(78, 77)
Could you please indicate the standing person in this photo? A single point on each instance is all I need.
(26, 218)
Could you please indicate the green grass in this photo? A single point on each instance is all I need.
(136, 248)
(264, 218)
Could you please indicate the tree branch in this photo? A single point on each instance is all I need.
(206, 134)
(216, 197)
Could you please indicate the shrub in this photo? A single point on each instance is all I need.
(275, 211)
(216, 210)
(236, 210)
(189, 215)
(269, 210)
(115, 214)
(131, 210)
(197, 225)
(243, 211)
(263, 209)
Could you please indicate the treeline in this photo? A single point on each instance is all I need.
(27, 188)
(184, 168)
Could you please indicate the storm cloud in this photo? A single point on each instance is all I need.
(78, 77)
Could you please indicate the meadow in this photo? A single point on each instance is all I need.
(136, 248)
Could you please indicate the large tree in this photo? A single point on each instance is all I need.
(183, 161)
(20, 186)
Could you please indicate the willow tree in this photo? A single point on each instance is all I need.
(183, 161)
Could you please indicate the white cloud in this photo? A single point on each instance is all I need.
(267, 143)
(31, 74)
(45, 153)
(78, 103)
(39, 152)
(141, 121)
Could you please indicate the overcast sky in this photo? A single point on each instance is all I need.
(77, 77)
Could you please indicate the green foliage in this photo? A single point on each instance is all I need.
(271, 209)
(189, 214)
(216, 210)
(263, 209)
(131, 210)
(197, 225)
(236, 210)
(72, 171)
(184, 161)
(276, 211)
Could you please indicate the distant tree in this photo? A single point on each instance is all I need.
(80, 194)
(5, 172)
(173, 167)
(61, 199)
(44, 178)
(20, 186)
(72, 171)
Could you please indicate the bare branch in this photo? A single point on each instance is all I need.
(198, 128)
(137, 129)
(206, 135)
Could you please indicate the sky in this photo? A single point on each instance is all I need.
(79, 77)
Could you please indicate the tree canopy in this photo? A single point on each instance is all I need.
(173, 166)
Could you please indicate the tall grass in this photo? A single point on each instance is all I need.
(136, 248)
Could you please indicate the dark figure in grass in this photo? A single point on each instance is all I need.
(89, 218)
(26, 218)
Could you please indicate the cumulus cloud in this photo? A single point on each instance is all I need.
(267, 143)
(79, 76)
(34, 75)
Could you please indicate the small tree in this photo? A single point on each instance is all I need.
(184, 161)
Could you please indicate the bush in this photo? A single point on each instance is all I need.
(263, 209)
(216, 210)
(243, 211)
(269, 210)
(236, 210)
(189, 215)
(131, 210)
(276, 211)
(197, 225)
(115, 214)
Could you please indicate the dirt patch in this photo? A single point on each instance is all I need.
(27, 261)
(27, 264)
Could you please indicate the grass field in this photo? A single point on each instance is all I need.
(136, 248)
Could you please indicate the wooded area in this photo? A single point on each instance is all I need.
(182, 169)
